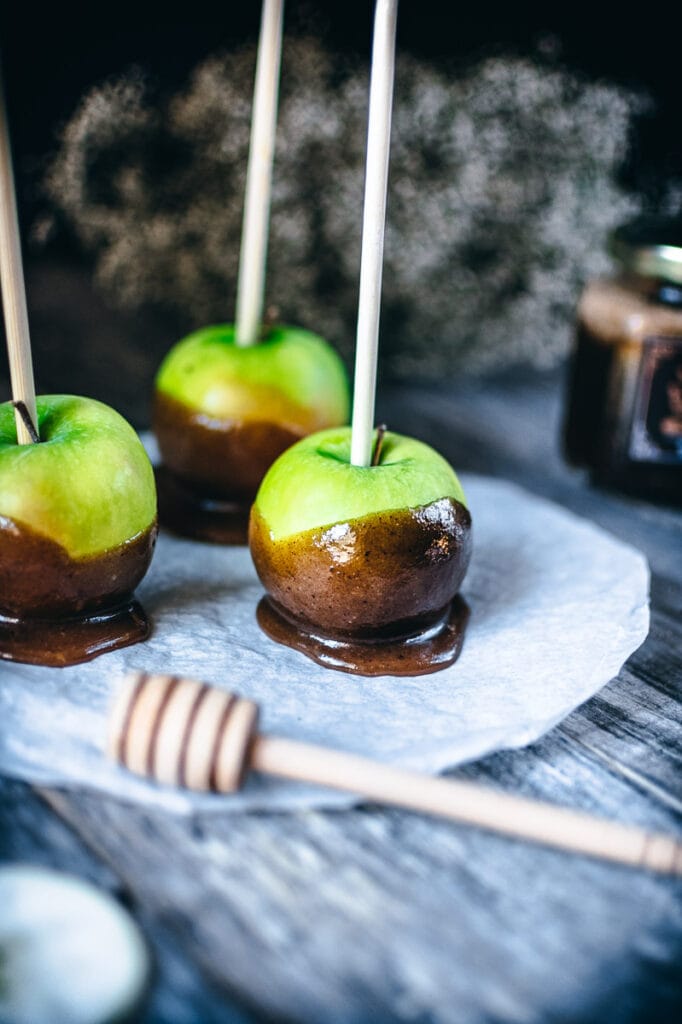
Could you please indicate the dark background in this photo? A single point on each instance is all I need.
(51, 57)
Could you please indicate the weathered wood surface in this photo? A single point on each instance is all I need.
(374, 915)
(30, 833)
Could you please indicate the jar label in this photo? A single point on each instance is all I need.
(656, 431)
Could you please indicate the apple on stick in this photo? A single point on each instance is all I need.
(360, 544)
(77, 498)
(224, 412)
(230, 398)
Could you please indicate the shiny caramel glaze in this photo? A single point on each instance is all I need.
(58, 643)
(428, 650)
(187, 512)
(387, 576)
(57, 610)
(219, 459)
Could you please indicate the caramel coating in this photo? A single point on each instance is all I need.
(57, 610)
(39, 579)
(386, 575)
(429, 650)
(218, 458)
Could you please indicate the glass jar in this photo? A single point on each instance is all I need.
(624, 410)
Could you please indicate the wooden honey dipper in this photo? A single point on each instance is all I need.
(185, 733)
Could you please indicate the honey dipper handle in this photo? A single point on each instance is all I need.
(469, 803)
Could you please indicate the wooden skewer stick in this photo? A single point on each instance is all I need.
(373, 223)
(13, 288)
(254, 244)
(181, 732)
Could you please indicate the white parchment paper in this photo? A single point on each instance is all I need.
(557, 607)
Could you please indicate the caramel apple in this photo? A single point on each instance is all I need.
(77, 533)
(362, 564)
(229, 399)
(363, 545)
(224, 412)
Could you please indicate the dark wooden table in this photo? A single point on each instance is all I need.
(373, 915)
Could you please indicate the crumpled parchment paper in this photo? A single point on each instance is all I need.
(557, 606)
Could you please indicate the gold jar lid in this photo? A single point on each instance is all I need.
(651, 247)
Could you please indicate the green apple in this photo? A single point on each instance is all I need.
(223, 413)
(88, 486)
(363, 553)
(291, 377)
(77, 533)
(314, 484)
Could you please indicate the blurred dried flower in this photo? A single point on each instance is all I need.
(503, 188)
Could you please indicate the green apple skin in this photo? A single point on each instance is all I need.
(369, 553)
(291, 377)
(88, 486)
(313, 484)
(223, 413)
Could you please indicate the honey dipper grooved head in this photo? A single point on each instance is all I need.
(182, 732)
